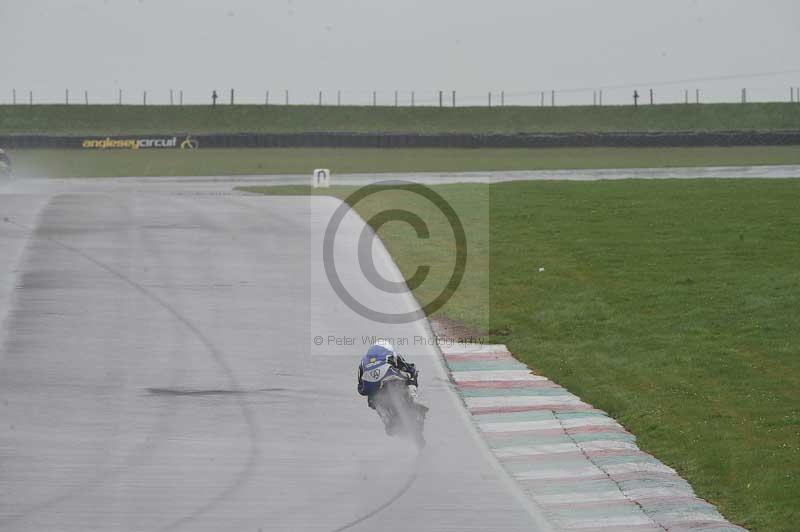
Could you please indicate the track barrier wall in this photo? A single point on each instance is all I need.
(405, 140)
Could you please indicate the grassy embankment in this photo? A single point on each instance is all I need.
(131, 119)
(110, 120)
(672, 305)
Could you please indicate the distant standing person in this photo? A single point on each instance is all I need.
(213, 98)
(635, 98)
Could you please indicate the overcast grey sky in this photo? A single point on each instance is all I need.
(520, 46)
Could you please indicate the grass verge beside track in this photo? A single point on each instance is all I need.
(196, 119)
(79, 163)
(670, 304)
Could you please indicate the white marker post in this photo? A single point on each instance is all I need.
(321, 178)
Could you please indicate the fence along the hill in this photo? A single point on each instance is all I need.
(415, 98)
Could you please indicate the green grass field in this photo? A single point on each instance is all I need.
(75, 163)
(672, 305)
(129, 119)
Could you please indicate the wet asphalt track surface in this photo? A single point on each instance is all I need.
(158, 372)
(158, 369)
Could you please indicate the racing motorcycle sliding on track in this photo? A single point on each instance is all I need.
(401, 415)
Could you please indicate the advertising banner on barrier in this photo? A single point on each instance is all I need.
(136, 143)
(631, 139)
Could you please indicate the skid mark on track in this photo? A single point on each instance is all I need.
(139, 453)
(202, 220)
(393, 497)
(389, 501)
(215, 353)
(189, 392)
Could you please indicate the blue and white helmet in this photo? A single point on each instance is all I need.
(386, 344)
(381, 352)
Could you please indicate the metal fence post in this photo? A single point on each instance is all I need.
(552, 98)
(744, 95)
(180, 97)
(490, 99)
(339, 97)
(374, 98)
(30, 97)
(601, 97)
(440, 99)
(651, 96)
(171, 101)
(502, 98)
(86, 97)
(120, 96)
(144, 98)
(541, 99)
(266, 97)
(686, 95)
(395, 98)
(14, 96)
(413, 103)
(320, 98)
(66, 98)
(697, 96)
(454, 98)
(231, 96)
(287, 96)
